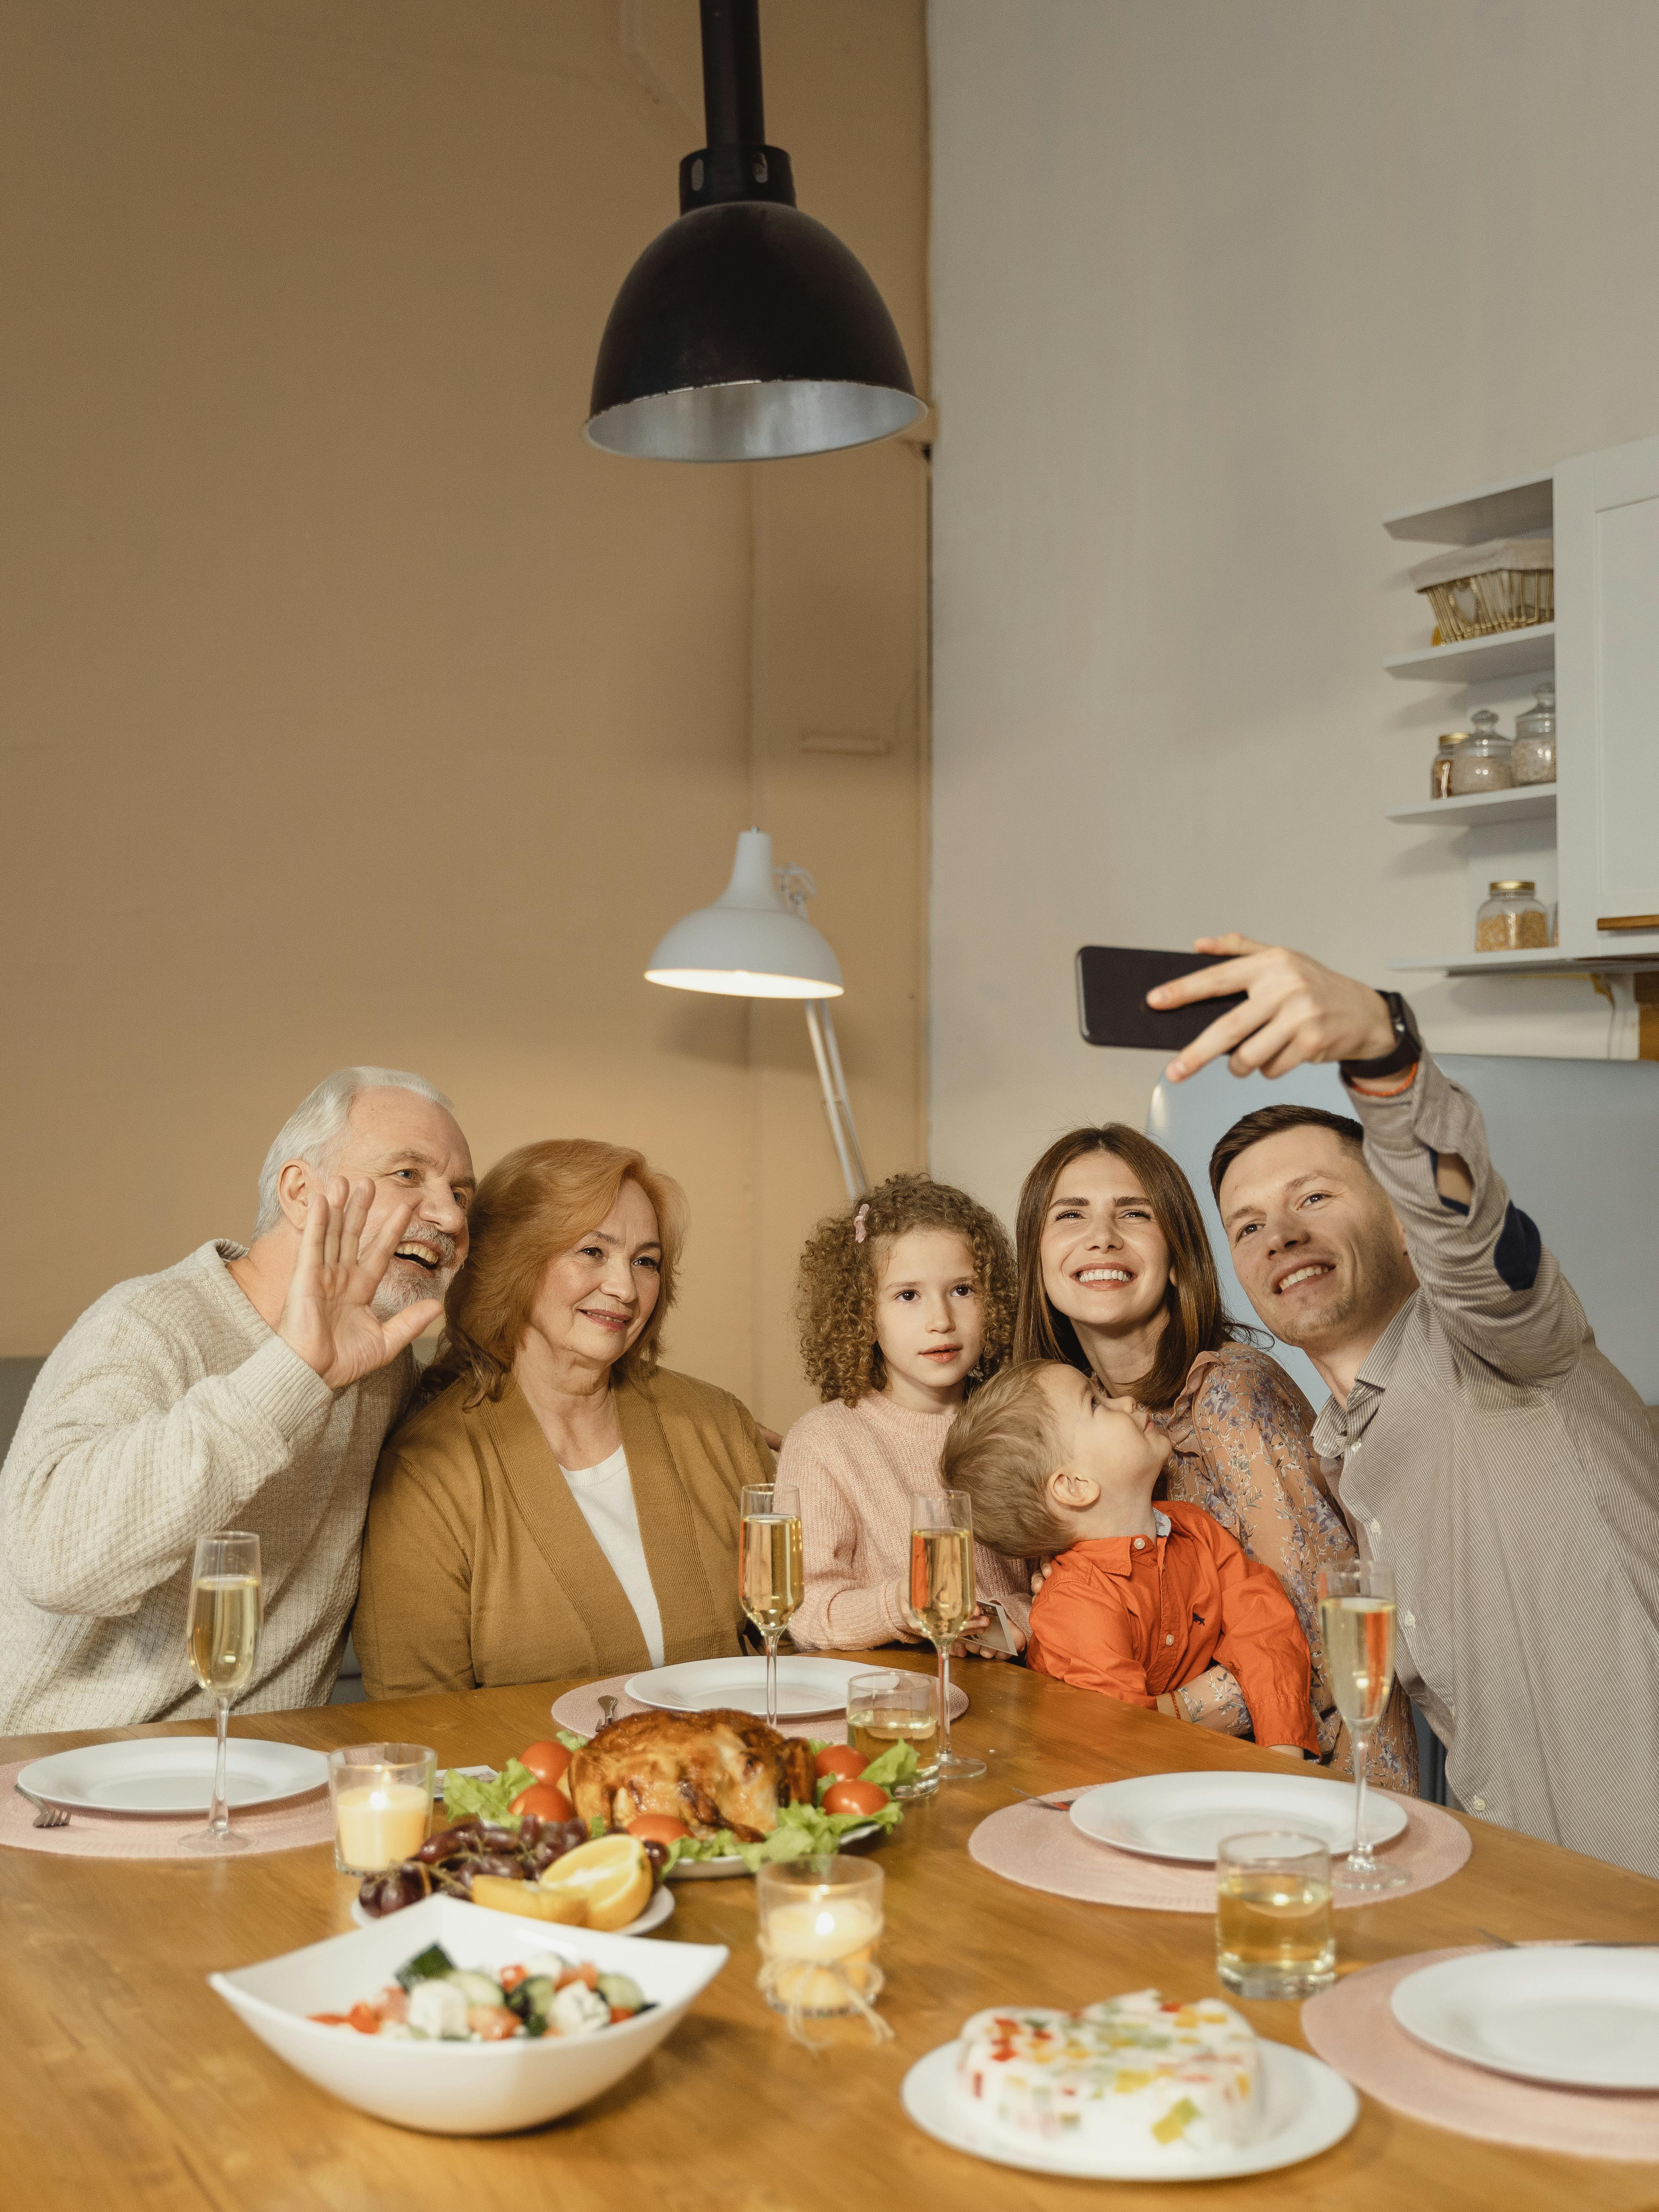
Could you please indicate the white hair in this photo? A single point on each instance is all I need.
(316, 1128)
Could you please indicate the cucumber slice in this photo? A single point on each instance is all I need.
(477, 1988)
(533, 1998)
(425, 1966)
(622, 1993)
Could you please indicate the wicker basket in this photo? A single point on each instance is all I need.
(1480, 589)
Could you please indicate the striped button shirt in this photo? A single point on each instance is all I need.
(1493, 1455)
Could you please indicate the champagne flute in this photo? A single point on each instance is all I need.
(770, 1580)
(942, 1593)
(1357, 1625)
(227, 1608)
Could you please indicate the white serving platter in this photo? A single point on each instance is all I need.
(166, 1776)
(1308, 2107)
(546, 1932)
(806, 1685)
(458, 2089)
(1584, 2018)
(1185, 1816)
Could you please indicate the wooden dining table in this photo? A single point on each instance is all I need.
(124, 2081)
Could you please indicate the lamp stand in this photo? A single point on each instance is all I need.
(843, 1131)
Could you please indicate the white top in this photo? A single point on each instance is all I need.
(606, 1497)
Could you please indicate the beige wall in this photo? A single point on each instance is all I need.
(1242, 276)
(354, 709)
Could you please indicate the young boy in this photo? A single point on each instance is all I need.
(1141, 1598)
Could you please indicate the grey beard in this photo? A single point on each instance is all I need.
(408, 1286)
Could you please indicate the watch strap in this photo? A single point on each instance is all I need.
(1407, 1045)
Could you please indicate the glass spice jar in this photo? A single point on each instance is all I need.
(1482, 761)
(1512, 920)
(1533, 756)
(1440, 768)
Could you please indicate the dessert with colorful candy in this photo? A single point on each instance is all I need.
(1133, 2073)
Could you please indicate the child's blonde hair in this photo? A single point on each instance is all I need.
(841, 1271)
(1002, 1448)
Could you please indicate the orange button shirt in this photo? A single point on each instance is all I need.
(1138, 1616)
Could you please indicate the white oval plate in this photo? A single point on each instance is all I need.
(166, 1776)
(1185, 1816)
(1585, 2018)
(1308, 2108)
(660, 1908)
(806, 1685)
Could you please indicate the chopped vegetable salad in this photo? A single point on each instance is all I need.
(434, 2001)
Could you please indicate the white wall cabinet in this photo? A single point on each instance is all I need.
(1589, 841)
(1607, 583)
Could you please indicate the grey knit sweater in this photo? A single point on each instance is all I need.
(169, 1409)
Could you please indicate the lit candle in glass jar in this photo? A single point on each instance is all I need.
(820, 1923)
(382, 1795)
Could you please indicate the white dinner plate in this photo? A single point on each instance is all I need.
(1185, 1816)
(1585, 2018)
(806, 1685)
(1308, 2108)
(660, 1908)
(169, 1774)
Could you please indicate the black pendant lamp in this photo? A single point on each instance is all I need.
(745, 331)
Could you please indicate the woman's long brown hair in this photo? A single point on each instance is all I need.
(534, 1204)
(1196, 1321)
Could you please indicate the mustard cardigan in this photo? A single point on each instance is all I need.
(479, 1570)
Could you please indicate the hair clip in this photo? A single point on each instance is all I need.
(859, 1220)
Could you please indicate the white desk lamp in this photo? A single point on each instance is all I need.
(755, 942)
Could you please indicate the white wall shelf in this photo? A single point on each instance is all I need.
(1528, 802)
(1548, 960)
(1482, 660)
(1520, 506)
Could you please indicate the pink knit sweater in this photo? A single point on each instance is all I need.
(857, 1468)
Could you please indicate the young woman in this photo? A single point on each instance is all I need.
(906, 1301)
(1116, 1277)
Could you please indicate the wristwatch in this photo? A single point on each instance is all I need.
(1407, 1045)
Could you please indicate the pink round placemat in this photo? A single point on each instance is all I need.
(115, 1836)
(1043, 1851)
(579, 1711)
(1351, 2027)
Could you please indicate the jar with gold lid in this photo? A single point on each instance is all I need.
(1482, 761)
(1512, 920)
(1441, 767)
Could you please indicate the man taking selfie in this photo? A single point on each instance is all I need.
(1491, 1453)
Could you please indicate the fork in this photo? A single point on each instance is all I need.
(1043, 1804)
(607, 1712)
(50, 1816)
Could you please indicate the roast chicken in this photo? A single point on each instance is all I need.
(713, 1771)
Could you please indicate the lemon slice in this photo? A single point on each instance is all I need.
(610, 1875)
(501, 1893)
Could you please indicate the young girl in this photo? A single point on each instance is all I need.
(905, 1300)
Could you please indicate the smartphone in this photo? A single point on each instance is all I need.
(1112, 983)
(996, 1637)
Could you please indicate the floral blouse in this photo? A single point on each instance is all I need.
(1242, 1448)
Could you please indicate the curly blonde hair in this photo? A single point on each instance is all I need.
(840, 1274)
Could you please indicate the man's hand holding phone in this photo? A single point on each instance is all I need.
(1294, 1011)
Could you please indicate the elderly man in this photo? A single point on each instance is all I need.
(1491, 1453)
(243, 1389)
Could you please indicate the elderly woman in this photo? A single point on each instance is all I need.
(557, 1504)
(1116, 1277)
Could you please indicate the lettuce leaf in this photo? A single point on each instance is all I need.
(470, 1793)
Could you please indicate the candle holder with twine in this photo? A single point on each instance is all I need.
(820, 1922)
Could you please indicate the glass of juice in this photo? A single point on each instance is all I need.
(1274, 1935)
(895, 1706)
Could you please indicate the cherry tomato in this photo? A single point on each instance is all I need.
(840, 1760)
(546, 1761)
(864, 1797)
(546, 1804)
(658, 1828)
